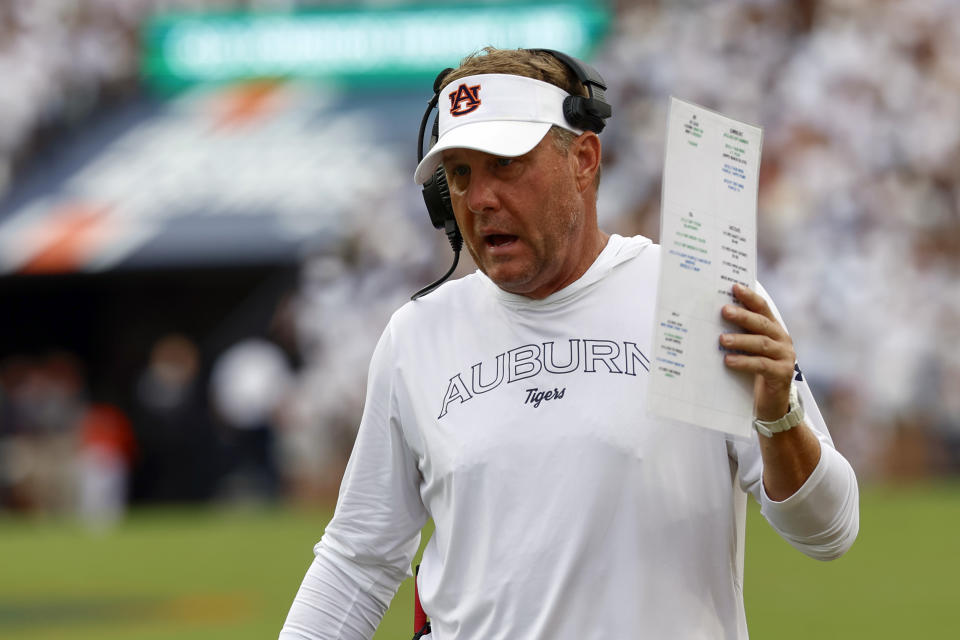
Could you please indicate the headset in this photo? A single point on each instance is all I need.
(582, 112)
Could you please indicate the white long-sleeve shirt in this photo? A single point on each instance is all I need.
(562, 509)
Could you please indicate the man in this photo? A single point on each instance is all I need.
(509, 407)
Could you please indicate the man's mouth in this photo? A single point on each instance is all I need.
(499, 239)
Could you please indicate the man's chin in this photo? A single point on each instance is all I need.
(511, 281)
(508, 279)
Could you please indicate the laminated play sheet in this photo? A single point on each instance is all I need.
(708, 225)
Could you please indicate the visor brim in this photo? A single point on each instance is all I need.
(503, 138)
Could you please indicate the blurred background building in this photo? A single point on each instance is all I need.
(207, 216)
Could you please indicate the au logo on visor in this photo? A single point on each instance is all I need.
(464, 100)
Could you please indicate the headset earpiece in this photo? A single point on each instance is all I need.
(436, 192)
(436, 195)
(586, 113)
(582, 112)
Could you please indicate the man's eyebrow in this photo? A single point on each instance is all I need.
(451, 162)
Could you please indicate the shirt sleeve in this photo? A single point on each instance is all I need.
(367, 547)
(822, 518)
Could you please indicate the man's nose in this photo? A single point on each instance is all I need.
(482, 193)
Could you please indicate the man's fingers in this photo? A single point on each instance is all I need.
(765, 350)
(753, 322)
(760, 345)
(770, 368)
(752, 300)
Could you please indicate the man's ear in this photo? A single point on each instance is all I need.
(586, 152)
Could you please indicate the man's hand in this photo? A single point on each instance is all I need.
(764, 349)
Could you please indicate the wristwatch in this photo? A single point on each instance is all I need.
(793, 418)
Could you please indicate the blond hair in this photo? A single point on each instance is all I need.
(529, 63)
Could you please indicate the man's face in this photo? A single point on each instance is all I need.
(522, 218)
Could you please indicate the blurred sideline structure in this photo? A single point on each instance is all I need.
(213, 392)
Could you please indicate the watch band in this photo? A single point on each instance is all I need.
(794, 417)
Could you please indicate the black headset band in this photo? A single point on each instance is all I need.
(589, 77)
(423, 125)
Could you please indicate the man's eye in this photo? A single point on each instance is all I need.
(504, 162)
(458, 176)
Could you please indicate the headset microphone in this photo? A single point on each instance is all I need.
(581, 112)
(436, 192)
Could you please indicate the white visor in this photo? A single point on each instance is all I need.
(503, 115)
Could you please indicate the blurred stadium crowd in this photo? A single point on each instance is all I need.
(859, 235)
(860, 192)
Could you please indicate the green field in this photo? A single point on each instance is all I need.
(211, 574)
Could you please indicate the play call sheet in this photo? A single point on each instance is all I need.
(708, 237)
